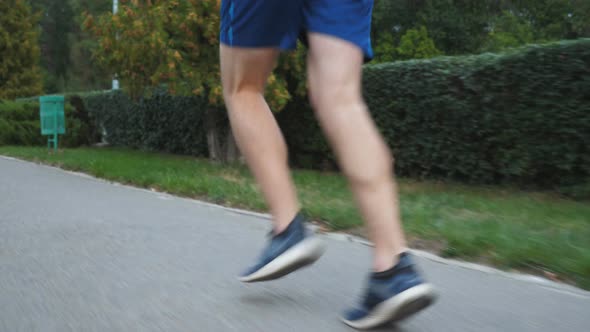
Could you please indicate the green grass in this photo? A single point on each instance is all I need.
(507, 228)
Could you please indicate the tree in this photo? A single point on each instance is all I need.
(415, 44)
(66, 61)
(536, 21)
(385, 50)
(57, 24)
(84, 74)
(395, 17)
(470, 26)
(554, 19)
(509, 30)
(19, 50)
(546, 16)
(458, 26)
(455, 26)
(175, 44)
(580, 18)
(391, 20)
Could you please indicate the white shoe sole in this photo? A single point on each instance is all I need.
(302, 254)
(397, 308)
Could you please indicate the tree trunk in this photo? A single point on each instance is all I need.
(220, 140)
(213, 141)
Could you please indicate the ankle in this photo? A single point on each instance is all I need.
(384, 263)
(385, 274)
(280, 228)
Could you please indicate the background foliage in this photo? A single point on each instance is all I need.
(19, 50)
(19, 125)
(525, 108)
(161, 122)
(458, 27)
(455, 27)
(520, 118)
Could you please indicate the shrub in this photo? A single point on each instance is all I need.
(161, 122)
(20, 125)
(520, 118)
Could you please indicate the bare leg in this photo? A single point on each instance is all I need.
(334, 73)
(244, 74)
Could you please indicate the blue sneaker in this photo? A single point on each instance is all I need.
(288, 251)
(392, 297)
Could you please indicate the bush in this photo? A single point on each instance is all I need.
(520, 118)
(308, 147)
(158, 123)
(20, 125)
(415, 44)
(90, 133)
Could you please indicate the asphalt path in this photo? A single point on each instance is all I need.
(82, 254)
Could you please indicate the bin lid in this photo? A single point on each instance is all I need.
(51, 98)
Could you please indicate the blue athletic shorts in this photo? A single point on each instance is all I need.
(279, 23)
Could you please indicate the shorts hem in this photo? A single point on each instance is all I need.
(256, 45)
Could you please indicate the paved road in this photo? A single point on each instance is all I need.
(79, 254)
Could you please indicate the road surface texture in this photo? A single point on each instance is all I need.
(81, 254)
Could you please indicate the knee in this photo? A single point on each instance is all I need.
(244, 90)
(333, 96)
(241, 95)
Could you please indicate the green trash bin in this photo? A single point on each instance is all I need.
(52, 116)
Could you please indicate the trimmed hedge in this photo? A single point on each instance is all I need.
(91, 134)
(520, 118)
(20, 125)
(161, 122)
(308, 148)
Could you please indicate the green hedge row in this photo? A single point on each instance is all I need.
(159, 123)
(308, 148)
(521, 118)
(75, 100)
(20, 125)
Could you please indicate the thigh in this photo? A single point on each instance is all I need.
(334, 70)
